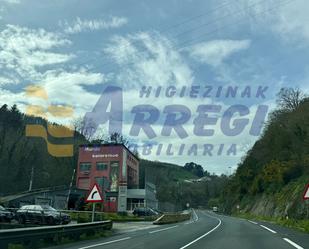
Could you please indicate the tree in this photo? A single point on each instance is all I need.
(194, 168)
(290, 98)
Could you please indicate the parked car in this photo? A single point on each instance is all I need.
(144, 211)
(5, 215)
(41, 214)
(215, 209)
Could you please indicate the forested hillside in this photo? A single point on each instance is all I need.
(19, 154)
(177, 186)
(271, 178)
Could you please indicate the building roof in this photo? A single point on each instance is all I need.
(110, 145)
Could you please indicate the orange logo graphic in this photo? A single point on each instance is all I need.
(56, 131)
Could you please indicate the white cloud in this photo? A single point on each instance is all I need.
(23, 50)
(148, 59)
(216, 51)
(288, 19)
(293, 21)
(62, 88)
(67, 88)
(10, 1)
(80, 25)
(6, 80)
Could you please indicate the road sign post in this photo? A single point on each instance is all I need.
(94, 196)
(93, 212)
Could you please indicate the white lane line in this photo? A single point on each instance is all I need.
(293, 243)
(164, 229)
(270, 230)
(194, 219)
(105, 243)
(253, 222)
(204, 235)
(196, 216)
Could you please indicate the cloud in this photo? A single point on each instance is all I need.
(292, 21)
(80, 25)
(23, 50)
(7, 80)
(216, 51)
(68, 88)
(288, 19)
(148, 59)
(63, 88)
(10, 1)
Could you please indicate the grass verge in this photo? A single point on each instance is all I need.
(301, 225)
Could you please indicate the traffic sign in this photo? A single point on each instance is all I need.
(306, 193)
(95, 194)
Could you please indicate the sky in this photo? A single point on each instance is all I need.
(74, 49)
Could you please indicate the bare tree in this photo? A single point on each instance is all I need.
(84, 127)
(290, 98)
(118, 139)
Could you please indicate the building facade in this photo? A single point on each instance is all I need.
(114, 168)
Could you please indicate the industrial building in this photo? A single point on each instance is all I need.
(112, 166)
(116, 170)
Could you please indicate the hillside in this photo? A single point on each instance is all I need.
(19, 154)
(271, 178)
(161, 171)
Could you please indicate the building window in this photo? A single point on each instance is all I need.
(84, 166)
(114, 174)
(102, 182)
(101, 166)
(83, 183)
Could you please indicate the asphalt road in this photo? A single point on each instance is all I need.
(205, 230)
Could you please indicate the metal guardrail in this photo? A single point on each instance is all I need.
(31, 236)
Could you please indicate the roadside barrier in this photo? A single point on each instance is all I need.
(171, 218)
(31, 236)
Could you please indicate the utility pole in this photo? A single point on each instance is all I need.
(72, 178)
(31, 178)
(70, 188)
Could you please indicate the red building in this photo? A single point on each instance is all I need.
(114, 168)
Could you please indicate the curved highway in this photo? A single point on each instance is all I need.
(205, 230)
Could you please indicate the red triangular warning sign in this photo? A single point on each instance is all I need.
(306, 193)
(95, 194)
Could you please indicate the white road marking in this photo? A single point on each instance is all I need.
(293, 243)
(195, 218)
(253, 222)
(270, 230)
(105, 243)
(204, 235)
(164, 229)
(141, 228)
